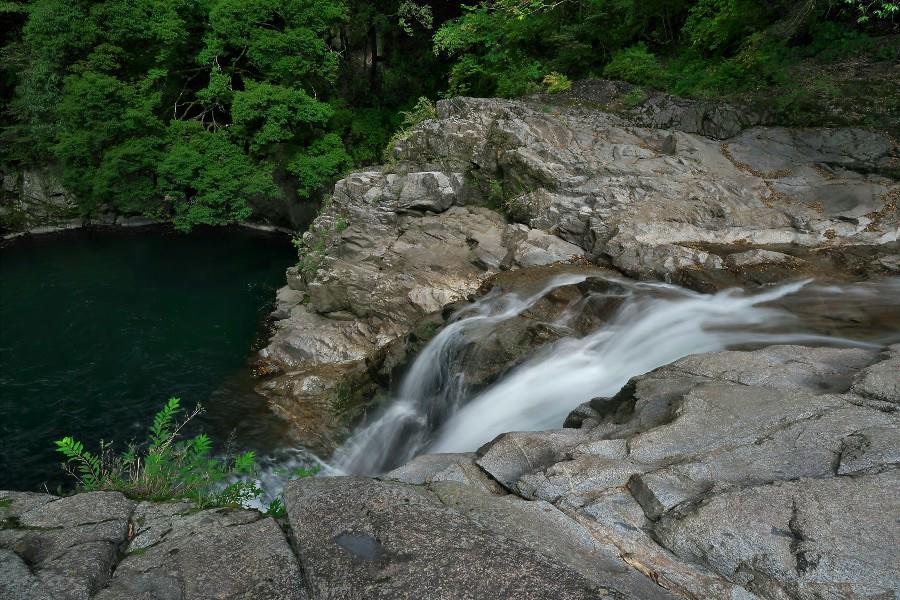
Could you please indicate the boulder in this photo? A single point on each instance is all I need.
(359, 538)
(726, 474)
(692, 192)
(434, 468)
(811, 538)
(661, 198)
(388, 253)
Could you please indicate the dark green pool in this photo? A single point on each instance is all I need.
(98, 328)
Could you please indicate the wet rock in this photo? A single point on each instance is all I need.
(390, 540)
(658, 493)
(647, 191)
(724, 474)
(35, 199)
(578, 417)
(376, 268)
(512, 455)
(579, 479)
(617, 518)
(433, 468)
(881, 381)
(722, 415)
(547, 530)
(649, 199)
(869, 449)
(757, 257)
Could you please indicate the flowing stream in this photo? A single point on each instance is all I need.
(438, 410)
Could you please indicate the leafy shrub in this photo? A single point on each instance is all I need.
(716, 26)
(636, 65)
(276, 506)
(835, 41)
(310, 252)
(164, 467)
(556, 83)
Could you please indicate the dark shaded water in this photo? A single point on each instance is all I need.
(99, 328)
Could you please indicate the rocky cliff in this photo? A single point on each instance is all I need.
(675, 190)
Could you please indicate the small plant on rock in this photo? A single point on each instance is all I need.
(556, 83)
(422, 111)
(164, 467)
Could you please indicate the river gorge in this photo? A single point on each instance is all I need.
(556, 349)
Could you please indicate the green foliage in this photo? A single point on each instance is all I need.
(319, 164)
(199, 112)
(634, 97)
(496, 195)
(165, 467)
(636, 64)
(556, 83)
(310, 253)
(717, 26)
(276, 507)
(867, 9)
(206, 179)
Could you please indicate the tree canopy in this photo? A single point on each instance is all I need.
(205, 111)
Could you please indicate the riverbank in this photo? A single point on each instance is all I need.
(512, 271)
(763, 474)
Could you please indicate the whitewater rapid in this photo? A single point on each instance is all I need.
(436, 410)
(434, 388)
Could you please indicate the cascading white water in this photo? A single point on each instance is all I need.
(432, 389)
(647, 333)
(656, 325)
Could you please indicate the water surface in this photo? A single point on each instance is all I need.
(98, 328)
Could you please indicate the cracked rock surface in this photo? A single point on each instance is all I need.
(102, 545)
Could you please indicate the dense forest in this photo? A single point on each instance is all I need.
(204, 111)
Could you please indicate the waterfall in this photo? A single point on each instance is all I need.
(647, 333)
(436, 411)
(433, 389)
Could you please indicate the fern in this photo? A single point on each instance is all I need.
(86, 464)
(165, 467)
(160, 431)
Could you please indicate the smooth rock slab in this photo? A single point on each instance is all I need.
(544, 528)
(460, 468)
(359, 538)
